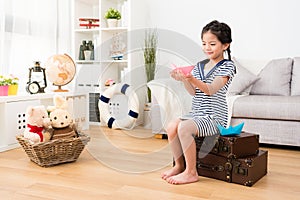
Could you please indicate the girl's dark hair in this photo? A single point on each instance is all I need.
(222, 31)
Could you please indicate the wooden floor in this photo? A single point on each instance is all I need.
(127, 165)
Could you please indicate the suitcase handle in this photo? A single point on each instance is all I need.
(215, 168)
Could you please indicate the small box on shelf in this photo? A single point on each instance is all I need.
(89, 23)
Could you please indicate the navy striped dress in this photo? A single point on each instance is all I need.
(210, 110)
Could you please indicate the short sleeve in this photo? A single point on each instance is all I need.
(195, 71)
(226, 69)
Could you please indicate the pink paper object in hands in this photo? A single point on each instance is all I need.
(184, 69)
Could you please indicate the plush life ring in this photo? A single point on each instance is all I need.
(133, 106)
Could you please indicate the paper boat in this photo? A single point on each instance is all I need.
(231, 130)
(184, 69)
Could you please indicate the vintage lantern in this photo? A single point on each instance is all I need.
(37, 79)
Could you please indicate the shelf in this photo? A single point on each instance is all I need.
(97, 61)
(46, 95)
(87, 61)
(91, 30)
(115, 29)
(91, 2)
(113, 61)
(86, 30)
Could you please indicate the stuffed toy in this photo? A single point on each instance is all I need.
(38, 124)
(61, 120)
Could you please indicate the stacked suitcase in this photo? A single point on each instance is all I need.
(234, 159)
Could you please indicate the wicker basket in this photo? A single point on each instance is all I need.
(54, 152)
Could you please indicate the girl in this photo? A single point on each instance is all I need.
(208, 84)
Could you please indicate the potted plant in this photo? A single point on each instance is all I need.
(13, 85)
(112, 16)
(4, 84)
(8, 85)
(150, 49)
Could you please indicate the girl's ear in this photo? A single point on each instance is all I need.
(225, 46)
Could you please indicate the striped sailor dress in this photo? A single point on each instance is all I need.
(210, 110)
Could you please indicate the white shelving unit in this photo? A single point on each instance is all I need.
(92, 74)
(104, 40)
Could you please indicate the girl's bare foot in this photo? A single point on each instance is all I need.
(171, 172)
(183, 178)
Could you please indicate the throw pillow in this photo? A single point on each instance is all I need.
(242, 80)
(275, 78)
(295, 83)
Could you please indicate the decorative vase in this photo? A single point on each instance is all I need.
(4, 90)
(13, 89)
(111, 23)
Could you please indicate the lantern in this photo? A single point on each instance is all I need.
(37, 79)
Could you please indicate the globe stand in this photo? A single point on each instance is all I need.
(60, 90)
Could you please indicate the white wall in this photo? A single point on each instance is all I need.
(261, 29)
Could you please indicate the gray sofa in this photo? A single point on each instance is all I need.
(264, 95)
(270, 104)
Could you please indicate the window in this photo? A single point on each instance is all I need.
(28, 32)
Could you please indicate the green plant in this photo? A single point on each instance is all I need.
(112, 13)
(150, 49)
(3, 81)
(8, 80)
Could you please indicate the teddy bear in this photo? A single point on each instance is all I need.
(38, 124)
(61, 120)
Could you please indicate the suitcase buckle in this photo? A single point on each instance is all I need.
(225, 149)
(249, 162)
(228, 166)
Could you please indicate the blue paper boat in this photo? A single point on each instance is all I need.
(231, 130)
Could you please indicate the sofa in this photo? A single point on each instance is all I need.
(264, 94)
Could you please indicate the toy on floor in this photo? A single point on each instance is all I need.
(231, 130)
(61, 120)
(38, 124)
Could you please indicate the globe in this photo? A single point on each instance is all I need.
(60, 70)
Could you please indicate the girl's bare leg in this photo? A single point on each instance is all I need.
(176, 150)
(186, 131)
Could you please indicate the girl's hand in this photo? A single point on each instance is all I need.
(189, 77)
(177, 75)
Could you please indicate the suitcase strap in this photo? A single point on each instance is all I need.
(220, 146)
(218, 168)
(215, 168)
(231, 166)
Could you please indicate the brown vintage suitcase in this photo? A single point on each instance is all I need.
(238, 146)
(245, 171)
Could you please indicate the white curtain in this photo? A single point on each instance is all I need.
(29, 31)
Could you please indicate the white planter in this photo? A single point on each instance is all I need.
(111, 23)
(147, 116)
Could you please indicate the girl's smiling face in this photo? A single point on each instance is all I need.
(213, 47)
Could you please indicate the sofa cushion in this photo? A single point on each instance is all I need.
(267, 107)
(275, 78)
(295, 83)
(242, 80)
